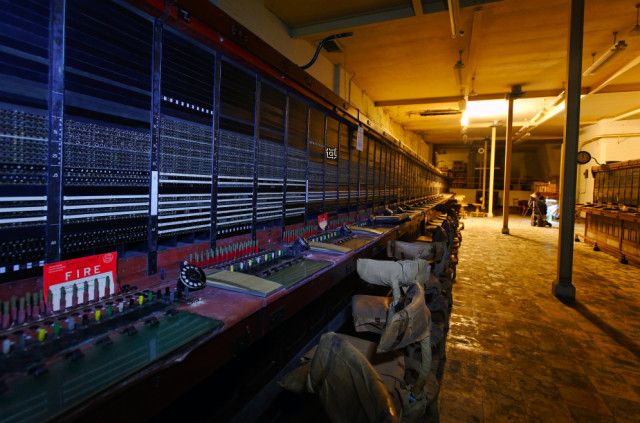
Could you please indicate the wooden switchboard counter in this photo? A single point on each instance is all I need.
(612, 230)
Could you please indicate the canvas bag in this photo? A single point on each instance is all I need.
(349, 388)
(401, 250)
(410, 324)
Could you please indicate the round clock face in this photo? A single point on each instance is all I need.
(583, 157)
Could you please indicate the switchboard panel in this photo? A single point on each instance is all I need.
(378, 197)
(394, 177)
(371, 172)
(401, 178)
(186, 138)
(343, 168)
(235, 151)
(24, 134)
(296, 161)
(384, 182)
(354, 172)
(106, 173)
(364, 189)
(270, 152)
(120, 132)
(331, 166)
(315, 163)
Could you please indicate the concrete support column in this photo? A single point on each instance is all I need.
(507, 168)
(562, 287)
(492, 167)
(484, 176)
(337, 79)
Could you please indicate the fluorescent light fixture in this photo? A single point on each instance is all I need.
(454, 17)
(615, 49)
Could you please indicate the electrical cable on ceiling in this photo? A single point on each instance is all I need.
(330, 37)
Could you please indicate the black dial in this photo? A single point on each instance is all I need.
(191, 277)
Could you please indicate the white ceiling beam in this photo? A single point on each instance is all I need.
(607, 88)
(451, 99)
(346, 23)
(349, 22)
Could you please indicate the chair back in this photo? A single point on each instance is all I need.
(393, 274)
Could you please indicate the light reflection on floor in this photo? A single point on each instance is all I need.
(515, 353)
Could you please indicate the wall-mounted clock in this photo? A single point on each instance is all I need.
(583, 157)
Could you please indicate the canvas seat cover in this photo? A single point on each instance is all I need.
(393, 273)
(400, 250)
(349, 388)
(409, 325)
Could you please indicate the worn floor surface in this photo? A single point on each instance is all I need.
(517, 354)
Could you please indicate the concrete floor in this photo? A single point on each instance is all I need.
(517, 354)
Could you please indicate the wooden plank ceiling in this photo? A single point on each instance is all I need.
(403, 52)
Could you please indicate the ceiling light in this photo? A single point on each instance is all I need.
(636, 29)
(464, 120)
(486, 108)
(598, 63)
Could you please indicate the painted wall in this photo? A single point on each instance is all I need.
(263, 23)
(470, 198)
(541, 163)
(451, 155)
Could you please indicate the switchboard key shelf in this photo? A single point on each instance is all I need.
(47, 369)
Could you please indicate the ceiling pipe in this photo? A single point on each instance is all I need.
(626, 115)
(543, 115)
(597, 137)
(454, 17)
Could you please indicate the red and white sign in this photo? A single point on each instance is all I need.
(66, 274)
(322, 221)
